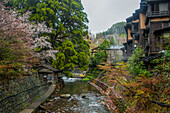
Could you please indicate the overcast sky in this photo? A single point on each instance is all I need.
(102, 14)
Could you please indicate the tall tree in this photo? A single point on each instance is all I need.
(101, 55)
(68, 22)
(112, 41)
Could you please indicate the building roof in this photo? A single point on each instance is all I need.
(47, 68)
(157, 0)
(45, 71)
(129, 19)
(96, 48)
(115, 47)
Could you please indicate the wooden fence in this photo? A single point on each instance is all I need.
(114, 93)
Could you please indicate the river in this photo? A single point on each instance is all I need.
(84, 98)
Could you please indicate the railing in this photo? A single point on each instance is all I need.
(158, 13)
(101, 84)
(19, 94)
(116, 95)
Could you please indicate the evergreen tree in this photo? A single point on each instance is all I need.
(112, 41)
(101, 55)
(68, 22)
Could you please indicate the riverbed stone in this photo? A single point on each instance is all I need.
(73, 99)
(103, 103)
(97, 95)
(65, 96)
(57, 90)
(51, 100)
(83, 96)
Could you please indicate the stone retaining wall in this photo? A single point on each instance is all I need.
(16, 95)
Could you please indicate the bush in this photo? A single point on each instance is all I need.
(86, 79)
(135, 66)
(68, 74)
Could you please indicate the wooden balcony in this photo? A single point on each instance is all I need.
(158, 13)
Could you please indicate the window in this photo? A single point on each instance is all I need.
(163, 7)
(155, 7)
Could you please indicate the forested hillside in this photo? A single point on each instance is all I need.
(117, 32)
(117, 28)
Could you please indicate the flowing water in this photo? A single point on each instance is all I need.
(84, 99)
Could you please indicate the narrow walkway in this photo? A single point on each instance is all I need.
(35, 105)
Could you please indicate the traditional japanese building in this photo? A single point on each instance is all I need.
(94, 50)
(48, 73)
(114, 54)
(148, 27)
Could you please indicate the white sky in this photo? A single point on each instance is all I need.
(102, 14)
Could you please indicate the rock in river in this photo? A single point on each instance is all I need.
(65, 96)
(83, 96)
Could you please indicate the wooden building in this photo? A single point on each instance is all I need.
(48, 73)
(115, 54)
(148, 27)
(94, 50)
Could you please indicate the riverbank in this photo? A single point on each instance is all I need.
(75, 98)
(106, 98)
(83, 98)
(37, 103)
(113, 100)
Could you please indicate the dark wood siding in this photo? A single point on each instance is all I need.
(154, 40)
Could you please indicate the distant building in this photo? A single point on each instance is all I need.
(94, 50)
(148, 27)
(115, 54)
(48, 73)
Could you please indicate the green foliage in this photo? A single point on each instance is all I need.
(37, 49)
(22, 5)
(69, 26)
(163, 63)
(66, 57)
(137, 86)
(99, 35)
(135, 66)
(83, 61)
(113, 41)
(11, 60)
(143, 86)
(68, 74)
(89, 77)
(101, 54)
(6, 52)
(117, 28)
(99, 57)
(65, 17)
(85, 79)
(104, 45)
(122, 35)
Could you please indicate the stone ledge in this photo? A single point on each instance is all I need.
(36, 104)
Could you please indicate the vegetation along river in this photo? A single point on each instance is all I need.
(80, 98)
